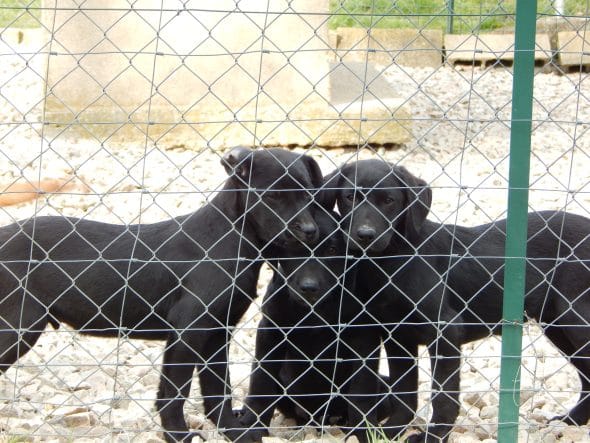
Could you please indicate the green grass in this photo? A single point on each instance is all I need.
(14, 14)
(470, 15)
(376, 435)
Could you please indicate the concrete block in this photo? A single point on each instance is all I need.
(406, 47)
(574, 48)
(360, 121)
(485, 48)
(543, 48)
(118, 66)
(220, 74)
(380, 122)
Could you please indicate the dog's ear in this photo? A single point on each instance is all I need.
(238, 161)
(328, 193)
(418, 201)
(314, 171)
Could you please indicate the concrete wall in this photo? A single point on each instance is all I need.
(125, 68)
(574, 47)
(488, 48)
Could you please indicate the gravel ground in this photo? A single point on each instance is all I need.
(71, 387)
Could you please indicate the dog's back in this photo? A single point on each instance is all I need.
(558, 254)
(102, 276)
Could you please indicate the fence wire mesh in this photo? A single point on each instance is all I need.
(117, 119)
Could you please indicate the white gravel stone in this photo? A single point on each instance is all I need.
(467, 437)
(485, 431)
(488, 412)
(573, 434)
(475, 399)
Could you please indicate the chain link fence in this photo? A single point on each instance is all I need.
(125, 112)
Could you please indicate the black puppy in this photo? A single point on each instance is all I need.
(441, 285)
(305, 359)
(187, 280)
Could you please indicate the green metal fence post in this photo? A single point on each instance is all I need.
(450, 15)
(516, 230)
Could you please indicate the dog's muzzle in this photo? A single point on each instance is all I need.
(306, 232)
(307, 290)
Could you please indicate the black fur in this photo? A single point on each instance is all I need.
(442, 285)
(187, 280)
(304, 359)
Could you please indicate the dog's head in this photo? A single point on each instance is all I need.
(314, 274)
(377, 200)
(275, 189)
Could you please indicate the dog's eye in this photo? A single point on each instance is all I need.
(350, 197)
(332, 250)
(389, 201)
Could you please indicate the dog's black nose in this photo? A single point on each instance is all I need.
(366, 233)
(309, 230)
(309, 286)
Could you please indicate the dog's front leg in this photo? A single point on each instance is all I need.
(206, 349)
(216, 387)
(175, 382)
(401, 348)
(445, 360)
(362, 389)
(265, 390)
(195, 340)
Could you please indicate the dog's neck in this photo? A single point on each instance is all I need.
(402, 245)
(223, 214)
(228, 201)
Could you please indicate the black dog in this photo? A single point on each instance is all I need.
(441, 285)
(304, 359)
(187, 280)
